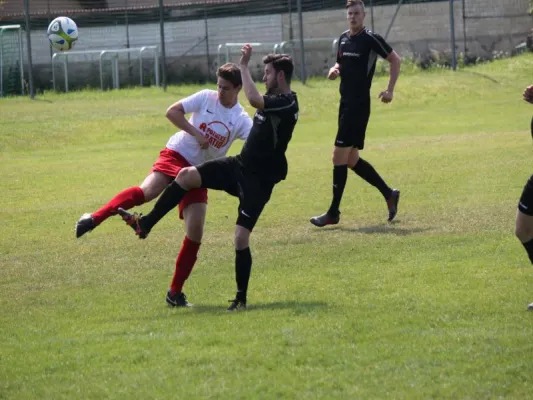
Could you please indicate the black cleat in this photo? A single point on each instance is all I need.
(325, 219)
(530, 307)
(177, 300)
(392, 204)
(85, 224)
(135, 222)
(237, 304)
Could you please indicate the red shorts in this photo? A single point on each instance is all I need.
(170, 163)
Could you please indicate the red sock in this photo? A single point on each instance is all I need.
(184, 264)
(128, 198)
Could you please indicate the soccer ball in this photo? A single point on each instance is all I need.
(62, 33)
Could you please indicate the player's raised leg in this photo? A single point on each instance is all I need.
(151, 187)
(187, 179)
(367, 172)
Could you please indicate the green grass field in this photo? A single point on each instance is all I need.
(432, 306)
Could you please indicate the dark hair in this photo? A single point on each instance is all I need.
(281, 62)
(231, 73)
(351, 3)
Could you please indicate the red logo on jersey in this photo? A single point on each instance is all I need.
(215, 138)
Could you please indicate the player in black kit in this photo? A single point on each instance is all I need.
(524, 214)
(358, 49)
(251, 175)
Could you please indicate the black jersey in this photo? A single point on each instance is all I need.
(263, 152)
(357, 57)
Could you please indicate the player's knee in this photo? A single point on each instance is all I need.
(352, 162)
(189, 178)
(194, 216)
(149, 193)
(353, 159)
(340, 156)
(523, 233)
(195, 231)
(153, 185)
(242, 238)
(183, 177)
(241, 243)
(339, 159)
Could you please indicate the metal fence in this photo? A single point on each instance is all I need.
(149, 42)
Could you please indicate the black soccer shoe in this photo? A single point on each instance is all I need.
(392, 204)
(325, 219)
(530, 307)
(135, 222)
(236, 305)
(177, 300)
(85, 224)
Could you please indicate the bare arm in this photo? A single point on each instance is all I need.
(395, 62)
(176, 115)
(248, 85)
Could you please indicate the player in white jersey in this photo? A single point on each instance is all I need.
(217, 120)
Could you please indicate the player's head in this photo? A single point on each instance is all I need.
(229, 84)
(355, 13)
(278, 72)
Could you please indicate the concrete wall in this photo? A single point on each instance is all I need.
(419, 28)
(492, 25)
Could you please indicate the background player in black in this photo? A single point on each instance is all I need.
(356, 62)
(252, 174)
(524, 214)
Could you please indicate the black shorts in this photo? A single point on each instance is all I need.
(229, 175)
(526, 200)
(353, 119)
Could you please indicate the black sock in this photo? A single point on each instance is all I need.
(243, 268)
(340, 174)
(369, 174)
(169, 199)
(529, 248)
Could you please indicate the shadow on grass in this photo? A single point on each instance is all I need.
(375, 229)
(479, 75)
(42, 100)
(298, 307)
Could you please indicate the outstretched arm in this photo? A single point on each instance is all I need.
(251, 92)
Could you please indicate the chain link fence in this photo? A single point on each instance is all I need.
(149, 42)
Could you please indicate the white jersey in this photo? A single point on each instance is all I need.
(220, 125)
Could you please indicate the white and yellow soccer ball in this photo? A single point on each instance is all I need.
(62, 33)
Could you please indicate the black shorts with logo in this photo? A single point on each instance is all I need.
(526, 200)
(353, 120)
(229, 175)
